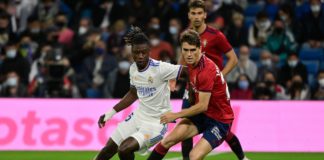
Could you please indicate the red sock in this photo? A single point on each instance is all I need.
(161, 149)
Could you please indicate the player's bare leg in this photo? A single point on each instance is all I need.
(235, 145)
(108, 151)
(184, 130)
(127, 148)
(201, 149)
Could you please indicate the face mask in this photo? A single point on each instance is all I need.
(99, 51)
(173, 30)
(321, 82)
(82, 30)
(243, 84)
(156, 26)
(315, 8)
(12, 81)
(278, 30)
(35, 30)
(11, 53)
(60, 24)
(283, 18)
(155, 42)
(266, 62)
(269, 83)
(244, 57)
(227, 1)
(297, 85)
(123, 65)
(292, 63)
(264, 24)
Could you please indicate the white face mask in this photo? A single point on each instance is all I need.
(123, 65)
(321, 82)
(315, 8)
(173, 30)
(227, 1)
(292, 63)
(12, 81)
(82, 30)
(155, 42)
(11, 53)
(156, 26)
(266, 62)
(35, 30)
(244, 57)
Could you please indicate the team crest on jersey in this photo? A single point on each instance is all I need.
(150, 79)
(205, 43)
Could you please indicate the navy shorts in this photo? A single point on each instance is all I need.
(213, 131)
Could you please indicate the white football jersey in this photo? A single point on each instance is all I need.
(152, 85)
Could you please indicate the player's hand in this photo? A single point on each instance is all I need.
(101, 121)
(168, 117)
(172, 85)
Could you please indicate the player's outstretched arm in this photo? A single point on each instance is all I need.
(231, 63)
(200, 107)
(126, 101)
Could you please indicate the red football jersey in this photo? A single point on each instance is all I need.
(207, 77)
(214, 44)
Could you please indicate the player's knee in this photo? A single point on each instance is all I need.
(124, 149)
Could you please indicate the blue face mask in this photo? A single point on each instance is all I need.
(99, 51)
(243, 84)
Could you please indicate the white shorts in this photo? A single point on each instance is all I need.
(147, 133)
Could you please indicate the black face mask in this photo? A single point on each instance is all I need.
(278, 30)
(60, 24)
(297, 85)
(3, 30)
(269, 83)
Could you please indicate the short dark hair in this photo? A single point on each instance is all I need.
(191, 37)
(136, 36)
(197, 4)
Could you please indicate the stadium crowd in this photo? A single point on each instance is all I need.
(68, 48)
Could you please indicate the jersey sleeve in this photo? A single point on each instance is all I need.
(206, 79)
(222, 43)
(169, 71)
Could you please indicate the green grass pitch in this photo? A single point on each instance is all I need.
(88, 155)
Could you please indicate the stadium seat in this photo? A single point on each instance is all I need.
(311, 54)
(248, 21)
(252, 10)
(255, 54)
(312, 66)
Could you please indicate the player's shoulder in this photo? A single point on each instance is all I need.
(154, 63)
(209, 65)
(212, 30)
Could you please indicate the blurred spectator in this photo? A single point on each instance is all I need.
(277, 91)
(119, 10)
(46, 10)
(15, 62)
(173, 34)
(266, 64)
(226, 11)
(104, 14)
(245, 66)
(5, 32)
(259, 31)
(34, 30)
(292, 67)
(36, 67)
(24, 9)
(95, 70)
(118, 81)
(243, 88)
(298, 90)
(236, 33)
(281, 41)
(12, 87)
(115, 41)
(162, 9)
(139, 13)
(313, 25)
(158, 45)
(65, 34)
(319, 91)
(154, 23)
(27, 48)
(261, 92)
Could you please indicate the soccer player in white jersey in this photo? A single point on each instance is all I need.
(149, 84)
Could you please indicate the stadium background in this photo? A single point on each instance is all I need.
(75, 49)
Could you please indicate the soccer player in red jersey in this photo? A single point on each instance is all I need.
(214, 45)
(211, 114)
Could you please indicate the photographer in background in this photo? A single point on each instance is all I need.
(12, 87)
(54, 75)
